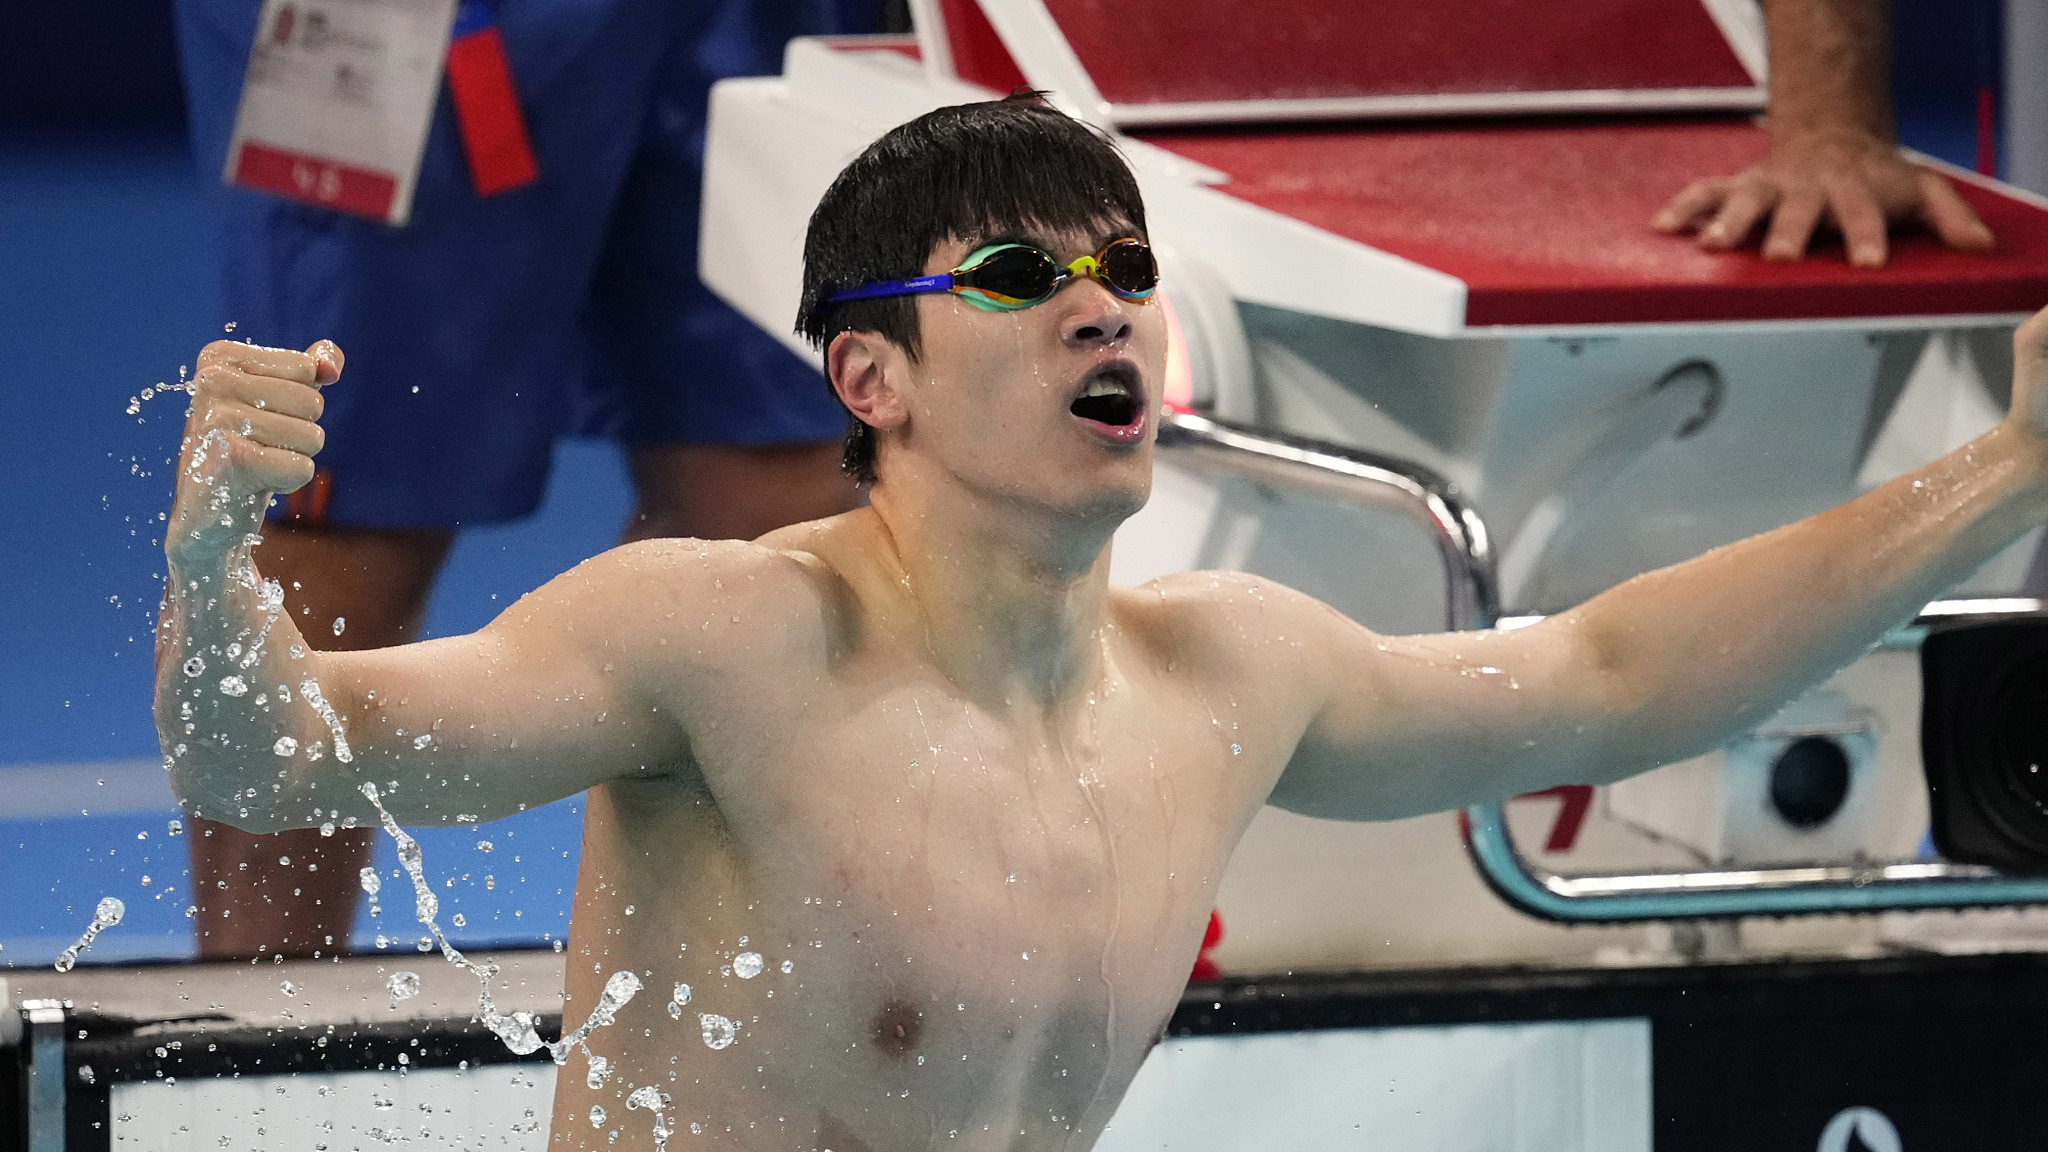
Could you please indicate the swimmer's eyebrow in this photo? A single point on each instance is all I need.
(1117, 231)
(1007, 236)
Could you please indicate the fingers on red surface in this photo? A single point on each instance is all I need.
(1792, 225)
(1862, 222)
(1950, 217)
(1694, 203)
(1746, 204)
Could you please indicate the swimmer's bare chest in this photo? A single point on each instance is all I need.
(965, 924)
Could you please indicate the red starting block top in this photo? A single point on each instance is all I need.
(1212, 50)
(1218, 61)
(1547, 222)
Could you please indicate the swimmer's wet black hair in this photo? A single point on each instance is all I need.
(965, 172)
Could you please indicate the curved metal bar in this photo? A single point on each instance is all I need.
(1748, 892)
(1472, 602)
(1471, 595)
(1866, 887)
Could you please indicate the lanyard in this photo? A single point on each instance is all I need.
(486, 105)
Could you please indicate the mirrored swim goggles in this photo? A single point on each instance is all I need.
(1007, 277)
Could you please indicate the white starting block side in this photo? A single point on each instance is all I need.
(1582, 1085)
(494, 1106)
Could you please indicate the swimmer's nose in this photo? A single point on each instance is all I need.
(1096, 319)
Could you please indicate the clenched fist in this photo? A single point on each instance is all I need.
(252, 431)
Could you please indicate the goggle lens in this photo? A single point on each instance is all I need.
(1021, 274)
(1128, 268)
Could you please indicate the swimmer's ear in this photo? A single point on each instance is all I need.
(328, 353)
(865, 370)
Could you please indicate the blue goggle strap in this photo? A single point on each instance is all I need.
(915, 286)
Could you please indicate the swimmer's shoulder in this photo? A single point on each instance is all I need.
(729, 597)
(1234, 618)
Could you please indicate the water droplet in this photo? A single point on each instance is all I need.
(629, 909)
(327, 829)
(599, 1069)
(107, 914)
(285, 746)
(422, 740)
(370, 881)
(596, 1114)
(175, 828)
(85, 1074)
(1236, 750)
(340, 622)
(403, 986)
(459, 920)
(233, 686)
(788, 967)
(719, 1032)
(195, 666)
(288, 988)
(746, 965)
(622, 986)
(483, 845)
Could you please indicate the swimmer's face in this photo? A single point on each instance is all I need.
(1055, 404)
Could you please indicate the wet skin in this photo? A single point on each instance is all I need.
(990, 908)
(976, 799)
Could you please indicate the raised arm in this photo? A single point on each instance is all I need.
(263, 733)
(1834, 153)
(1672, 663)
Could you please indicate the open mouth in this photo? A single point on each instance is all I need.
(1110, 397)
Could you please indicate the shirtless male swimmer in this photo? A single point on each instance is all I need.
(923, 750)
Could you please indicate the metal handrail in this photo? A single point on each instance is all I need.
(1471, 595)
(1472, 602)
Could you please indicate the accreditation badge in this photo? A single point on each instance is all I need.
(337, 102)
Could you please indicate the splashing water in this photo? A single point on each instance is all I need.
(372, 884)
(403, 986)
(719, 1032)
(310, 690)
(271, 598)
(105, 916)
(600, 1068)
(516, 1030)
(649, 1097)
